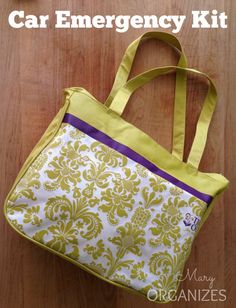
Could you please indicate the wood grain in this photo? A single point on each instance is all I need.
(35, 66)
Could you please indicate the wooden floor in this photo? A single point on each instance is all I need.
(35, 65)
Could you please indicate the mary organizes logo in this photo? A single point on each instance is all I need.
(205, 293)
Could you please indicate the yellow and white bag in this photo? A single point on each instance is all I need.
(105, 196)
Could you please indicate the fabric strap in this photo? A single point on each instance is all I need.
(181, 80)
(122, 96)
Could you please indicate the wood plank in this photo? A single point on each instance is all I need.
(35, 66)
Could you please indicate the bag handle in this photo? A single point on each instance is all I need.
(120, 100)
(181, 81)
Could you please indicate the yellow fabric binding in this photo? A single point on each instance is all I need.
(120, 100)
(180, 96)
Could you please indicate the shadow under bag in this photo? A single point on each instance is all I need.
(105, 196)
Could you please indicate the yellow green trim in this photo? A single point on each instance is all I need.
(87, 108)
(125, 66)
(123, 73)
(207, 213)
(122, 96)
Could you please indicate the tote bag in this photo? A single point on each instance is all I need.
(105, 196)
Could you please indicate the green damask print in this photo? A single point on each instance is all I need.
(150, 198)
(137, 272)
(39, 236)
(141, 171)
(166, 260)
(62, 175)
(165, 230)
(73, 152)
(97, 174)
(177, 247)
(129, 240)
(198, 206)
(168, 268)
(87, 192)
(25, 187)
(95, 251)
(79, 210)
(74, 254)
(65, 173)
(31, 216)
(12, 207)
(62, 235)
(129, 183)
(172, 209)
(166, 224)
(115, 264)
(158, 184)
(56, 205)
(140, 217)
(107, 155)
(117, 202)
(175, 191)
(76, 134)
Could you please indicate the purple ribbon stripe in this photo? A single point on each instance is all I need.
(123, 149)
